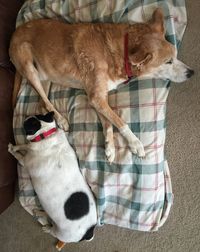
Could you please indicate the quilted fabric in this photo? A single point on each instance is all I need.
(132, 192)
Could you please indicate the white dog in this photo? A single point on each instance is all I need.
(57, 180)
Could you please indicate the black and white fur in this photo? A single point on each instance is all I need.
(57, 180)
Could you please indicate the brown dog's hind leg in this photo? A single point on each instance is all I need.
(23, 60)
(41, 105)
(32, 76)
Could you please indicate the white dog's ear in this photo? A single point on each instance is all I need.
(50, 116)
(157, 21)
(140, 57)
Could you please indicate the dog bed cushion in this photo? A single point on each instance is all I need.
(131, 192)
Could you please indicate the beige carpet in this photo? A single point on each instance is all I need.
(181, 232)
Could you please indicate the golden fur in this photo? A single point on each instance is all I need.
(93, 54)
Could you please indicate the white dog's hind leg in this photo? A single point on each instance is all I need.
(49, 230)
(39, 213)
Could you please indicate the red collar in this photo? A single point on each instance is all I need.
(126, 60)
(44, 135)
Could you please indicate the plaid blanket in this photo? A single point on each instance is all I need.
(132, 192)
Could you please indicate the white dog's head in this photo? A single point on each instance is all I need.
(36, 125)
(151, 55)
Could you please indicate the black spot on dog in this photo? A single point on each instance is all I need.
(49, 117)
(31, 126)
(76, 206)
(89, 234)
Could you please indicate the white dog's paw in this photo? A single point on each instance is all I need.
(11, 148)
(110, 151)
(62, 123)
(137, 148)
(47, 229)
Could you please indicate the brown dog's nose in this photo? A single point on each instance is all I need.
(189, 73)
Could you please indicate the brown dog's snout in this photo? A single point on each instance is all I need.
(189, 73)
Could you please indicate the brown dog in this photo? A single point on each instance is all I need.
(98, 57)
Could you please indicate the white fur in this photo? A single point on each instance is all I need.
(176, 72)
(134, 143)
(55, 174)
(113, 84)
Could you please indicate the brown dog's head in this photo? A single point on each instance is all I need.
(152, 55)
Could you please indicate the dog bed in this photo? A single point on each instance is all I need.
(131, 192)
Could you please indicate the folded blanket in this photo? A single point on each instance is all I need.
(132, 192)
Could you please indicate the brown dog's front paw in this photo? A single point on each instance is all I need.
(137, 148)
(134, 143)
(62, 123)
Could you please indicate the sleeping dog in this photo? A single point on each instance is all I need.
(57, 180)
(98, 57)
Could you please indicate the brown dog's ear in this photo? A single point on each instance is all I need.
(157, 21)
(140, 57)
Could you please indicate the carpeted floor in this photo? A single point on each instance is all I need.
(181, 232)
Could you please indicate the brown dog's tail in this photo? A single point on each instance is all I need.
(17, 85)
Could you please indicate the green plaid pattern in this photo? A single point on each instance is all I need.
(132, 192)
